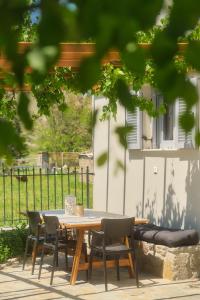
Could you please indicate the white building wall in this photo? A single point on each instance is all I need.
(100, 145)
(116, 174)
(162, 185)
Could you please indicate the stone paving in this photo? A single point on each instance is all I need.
(16, 284)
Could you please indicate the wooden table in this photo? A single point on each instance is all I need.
(91, 220)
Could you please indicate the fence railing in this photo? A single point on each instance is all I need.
(29, 188)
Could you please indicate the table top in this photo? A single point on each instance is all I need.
(91, 218)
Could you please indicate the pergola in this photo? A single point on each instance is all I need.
(73, 53)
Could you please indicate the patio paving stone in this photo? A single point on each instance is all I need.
(16, 284)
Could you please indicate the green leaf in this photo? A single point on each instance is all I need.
(146, 12)
(94, 118)
(197, 138)
(23, 110)
(119, 166)
(40, 59)
(124, 95)
(184, 16)
(52, 28)
(101, 160)
(192, 54)
(163, 49)
(122, 132)
(134, 59)
(10, 139)
(187, 121)
(89, 73)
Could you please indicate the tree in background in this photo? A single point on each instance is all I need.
(68, 130)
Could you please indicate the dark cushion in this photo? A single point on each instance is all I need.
(165, 236)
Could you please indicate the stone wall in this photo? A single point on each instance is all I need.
(170, 263)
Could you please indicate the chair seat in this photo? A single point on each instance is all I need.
(113, 248)
(34, 238)
(70, 244)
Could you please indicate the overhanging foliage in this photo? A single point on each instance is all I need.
(120, 25)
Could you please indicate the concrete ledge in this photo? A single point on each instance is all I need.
(170, 263)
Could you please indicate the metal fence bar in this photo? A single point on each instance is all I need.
(11, 193)
(19, 194)
(82, 184)
(62, 192)
(87, 187)
(68, 180)
(26, 183)
(40, 189)
(21, 188)
(47, 172)
(54, 180)
(4, 197)
(33, 173)
(75, 180)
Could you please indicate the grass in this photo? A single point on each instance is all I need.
(40, 192)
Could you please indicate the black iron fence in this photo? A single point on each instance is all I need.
(29, 188)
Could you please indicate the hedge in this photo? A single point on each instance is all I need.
(12, 242)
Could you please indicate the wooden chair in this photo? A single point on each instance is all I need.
(110, 242)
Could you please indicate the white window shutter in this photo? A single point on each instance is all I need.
(183, 140)
(134, 137)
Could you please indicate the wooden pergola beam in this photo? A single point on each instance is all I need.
(73, 53)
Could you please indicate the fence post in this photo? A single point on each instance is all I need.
(88, 187)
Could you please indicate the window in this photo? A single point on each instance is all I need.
(134, 137)
(166, 131)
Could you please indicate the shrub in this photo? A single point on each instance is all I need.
(12, 242)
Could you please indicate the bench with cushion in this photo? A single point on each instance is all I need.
(166, 236)
(169, 253)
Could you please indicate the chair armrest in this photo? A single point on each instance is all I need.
(97, 232)
(40, 229)
(97, 238)
(60, 229)
(41, 226)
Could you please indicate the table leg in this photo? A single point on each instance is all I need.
(131, 269)
(77, 256)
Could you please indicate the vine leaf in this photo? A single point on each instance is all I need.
(23, 110)
(89, 73)
(102, 159)
(10, 139)
(187, 121)
(122, 132)
(40, 59)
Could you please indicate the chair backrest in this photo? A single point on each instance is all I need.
(51, 225)
(116, 229)
(34, 219)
